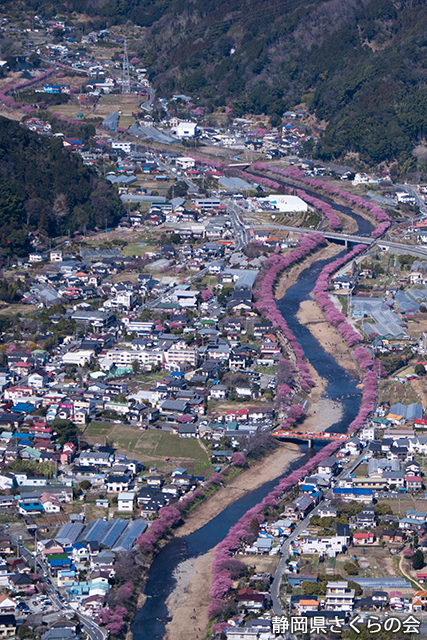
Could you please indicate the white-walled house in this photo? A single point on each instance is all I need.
(126, 501)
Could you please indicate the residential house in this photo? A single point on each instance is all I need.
(328, 466)
(413, 483)
(250, 599)
(7, 626)
(126, 501)
(117, 483)
(339, 597)
(363, 538)
(393, 535)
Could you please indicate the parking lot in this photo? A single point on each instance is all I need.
(36, 604)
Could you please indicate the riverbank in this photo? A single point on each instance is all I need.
(311, 316)
(268, 468)
(290, 276)
(188, 602)
(322, 412)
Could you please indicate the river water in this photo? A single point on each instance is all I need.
(150, 621)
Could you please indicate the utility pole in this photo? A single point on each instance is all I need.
(125, 76)
(35, 552)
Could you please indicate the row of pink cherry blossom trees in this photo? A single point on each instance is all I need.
(292, 172)
(225, 566)
(243, 531)
(335, 317)
(170, 516)
(360, 353)
(266, 304)
(9, 101)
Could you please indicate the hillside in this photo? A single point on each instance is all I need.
(43, 187)
(360, 64)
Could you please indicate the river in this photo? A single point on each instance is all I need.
(341, 385)
(150, 621)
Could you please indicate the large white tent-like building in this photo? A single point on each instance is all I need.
(287, 204)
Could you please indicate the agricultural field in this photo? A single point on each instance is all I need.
(138, 249)
(392, 391)
(152, 447)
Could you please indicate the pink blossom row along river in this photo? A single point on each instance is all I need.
(296, 174)
(225, 565)
(334, 222)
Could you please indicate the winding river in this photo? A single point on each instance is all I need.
(150, 621)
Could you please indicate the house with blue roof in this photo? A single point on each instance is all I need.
(80, 552)
(59, 562)
(30, 507)
(23, 407)
(22, 436)
(178, 471)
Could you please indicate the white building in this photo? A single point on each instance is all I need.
(50, 503)
(145, 357)
(339, 597)
(180, 353)
(329, 546)
(120, 144)
(56, 256)
(79, 358)
(368, 433)
(125, 299)
(185, 163)
(125, 501)
(287, 204)
(138, 326)
(38, 379)
(185, 129)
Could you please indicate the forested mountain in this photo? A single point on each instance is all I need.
(360, 64)
(44, 187)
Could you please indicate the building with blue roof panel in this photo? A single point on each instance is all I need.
(93, 530)
(130, 534)
(114, 529)
(22, 407)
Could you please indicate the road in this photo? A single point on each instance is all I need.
(241, 233)
(197, 275)
(193, 188)
(420, 202)
(285, 550)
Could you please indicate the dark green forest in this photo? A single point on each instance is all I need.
(360, 64)
(43, 187)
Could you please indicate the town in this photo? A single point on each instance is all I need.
(143, 368)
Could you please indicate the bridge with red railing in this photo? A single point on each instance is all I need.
(309, 435)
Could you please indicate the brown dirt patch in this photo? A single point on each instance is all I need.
(188, 602)
(290, 276)
(269, 468)
(312, 317)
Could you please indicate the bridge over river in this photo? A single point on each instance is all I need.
(399, 248)
(309, 436)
